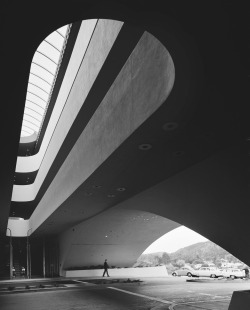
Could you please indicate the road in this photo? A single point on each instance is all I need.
(151, 294)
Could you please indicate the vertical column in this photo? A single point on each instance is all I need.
(11, 255)
(28, 256)
(44, 270)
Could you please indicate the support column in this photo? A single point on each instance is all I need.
(44, 270)
(28, 256)
(11, 255)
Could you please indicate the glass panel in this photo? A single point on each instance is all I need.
(33, 113)
(56, 40)
(39, 82)
(36, 100)
(30, 125)
(32, 120)
(27, 130)
(63, 30)
(36, 90)
(41, 72)
(47, 49)
(34, 107)
(25, 134)
(45, 62)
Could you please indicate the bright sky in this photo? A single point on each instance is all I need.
(174, 240)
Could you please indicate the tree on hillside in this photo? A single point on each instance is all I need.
(217, 262)
(198, 261)
(180, 263)
(165, 259)
(170, 268)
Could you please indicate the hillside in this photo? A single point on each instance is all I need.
(194, 254)
(207, 251)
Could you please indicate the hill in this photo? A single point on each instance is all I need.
(201, 252)
(206, 251)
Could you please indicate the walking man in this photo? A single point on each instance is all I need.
(105, 266)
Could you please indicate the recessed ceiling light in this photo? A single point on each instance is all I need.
(111, 195)
(170, 126)
(88, 194)
(97, 186)
(121, 189)
(178, 153)
(145, 147)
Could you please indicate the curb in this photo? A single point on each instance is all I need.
(23, 291)
(222, 280)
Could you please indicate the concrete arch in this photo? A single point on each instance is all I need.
(120, 236)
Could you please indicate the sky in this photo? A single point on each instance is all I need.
(174, 240)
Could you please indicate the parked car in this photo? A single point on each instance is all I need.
(211, 272)
(233, 273)
(184, 271)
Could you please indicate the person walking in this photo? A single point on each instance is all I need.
(105, 266)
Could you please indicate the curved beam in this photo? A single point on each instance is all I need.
(35, 63)
(25, 120)
(25, 131)
(40, 78)
(28, 127)
(32, 116)
(36, 104)
(46, 57)
(28, 91)
(60, 33)
(38, 87)
(33, 110)
(53, 46)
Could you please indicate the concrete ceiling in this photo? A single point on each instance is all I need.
(207, 47)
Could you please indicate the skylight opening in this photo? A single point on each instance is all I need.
(43, 72)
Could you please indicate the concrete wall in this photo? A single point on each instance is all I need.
(141, 87)
(117, 235)
(159, 271)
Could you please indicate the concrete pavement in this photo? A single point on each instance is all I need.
(152, 294)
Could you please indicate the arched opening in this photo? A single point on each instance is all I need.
(186, 253)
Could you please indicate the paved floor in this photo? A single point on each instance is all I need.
(151, 294)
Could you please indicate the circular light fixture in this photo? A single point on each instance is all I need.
(178, 153)
(88, 193)
(97, 186)
(145, 147)
(111, 196)
(121, 189)
(170, 126)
